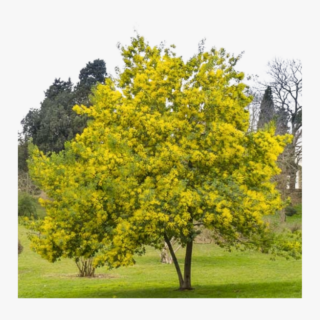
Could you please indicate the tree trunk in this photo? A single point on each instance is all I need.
(184, 281)
(175, 261)
(300, 177)
(187, 268)
(165, 256)
(292, 181)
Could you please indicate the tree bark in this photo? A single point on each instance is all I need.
(175, 261)
(187, 267)
(184, 281)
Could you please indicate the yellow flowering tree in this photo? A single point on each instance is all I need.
(167, 150)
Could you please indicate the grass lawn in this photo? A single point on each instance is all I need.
(215, 274)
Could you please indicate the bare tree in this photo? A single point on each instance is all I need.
(286, 84)
(286, 87)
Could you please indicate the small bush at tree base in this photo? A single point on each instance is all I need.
(85, 267)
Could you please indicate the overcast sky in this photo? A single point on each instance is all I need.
(44, 40)
(55, 39)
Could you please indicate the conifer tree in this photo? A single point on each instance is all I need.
(55, 122)
(267, 111)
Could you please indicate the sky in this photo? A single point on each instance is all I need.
(44, 40)
(56, 39)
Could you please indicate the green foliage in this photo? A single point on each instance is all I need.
(94, 72)
(290, 211)
(55, 122)
(58, 87)
(22, 154)
(266, 109)
(27, 205)
(288, 243)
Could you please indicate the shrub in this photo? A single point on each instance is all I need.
(290, 211)
(20, 247)
(85, 267)
(27, 205)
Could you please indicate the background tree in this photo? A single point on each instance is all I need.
(286, 90)
(55, 122)
(286, 84)
(267, 111)
(254, 108)
(94, 72)
(167, 150)
(25, 184)
(262, 111)
(22, 154)
(58, 87)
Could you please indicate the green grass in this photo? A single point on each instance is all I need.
(215, 274)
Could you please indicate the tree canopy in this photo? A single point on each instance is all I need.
(167, 150)
(267, 112)
(55, 122)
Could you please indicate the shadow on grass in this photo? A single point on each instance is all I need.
(253, 290)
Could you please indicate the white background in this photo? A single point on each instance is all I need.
(44, 40)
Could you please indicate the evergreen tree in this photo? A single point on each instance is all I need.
(55, 122)
(94, 72)
(267, 111)
(57, 87)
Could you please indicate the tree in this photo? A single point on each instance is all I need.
(55, 122)
(267, 111)
(254, 108)
(57, 88)
(22, 154)
(94, 72)
(165, 256)
(286, 85)
(167, 150)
